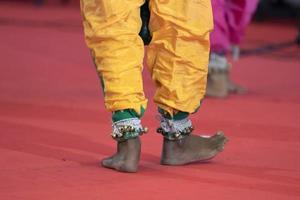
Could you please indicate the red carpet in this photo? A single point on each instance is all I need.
(54, 128)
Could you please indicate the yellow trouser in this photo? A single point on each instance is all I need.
(177, 56)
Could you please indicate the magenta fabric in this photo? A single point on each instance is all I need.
(230, 20)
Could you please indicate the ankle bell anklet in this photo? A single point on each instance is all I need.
(175, 129)
(127, 129)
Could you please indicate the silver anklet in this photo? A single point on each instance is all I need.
(175, 129)
(127, 129)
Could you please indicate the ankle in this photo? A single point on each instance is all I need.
(126, 129)
(173, 129)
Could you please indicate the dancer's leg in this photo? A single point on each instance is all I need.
(178, 58)
(111, 31)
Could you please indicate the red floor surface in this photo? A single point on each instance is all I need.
(54, 128)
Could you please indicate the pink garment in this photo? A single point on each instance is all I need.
(230, 20)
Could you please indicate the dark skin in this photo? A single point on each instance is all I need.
(236, 89)
(219, 85)
(190, 149)
(127, 157)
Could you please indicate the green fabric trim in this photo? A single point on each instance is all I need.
(102, 84)
(127, 114)
(131, 135)
(197, 109)
(178, 116)
(142, 112)
(100, 76)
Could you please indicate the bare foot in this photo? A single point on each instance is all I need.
(217, 85)
(192, 148)
(235, 89)
(127, 157)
